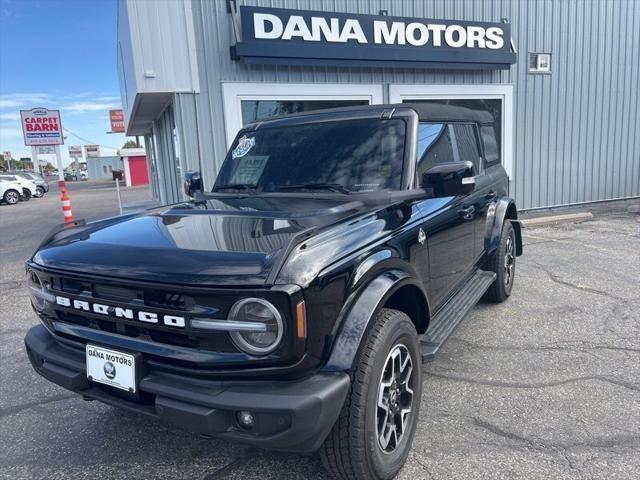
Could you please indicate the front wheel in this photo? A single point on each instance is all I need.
(26, 194)
(374, 432)
(503, 263)
(39, 192)
(11, 197)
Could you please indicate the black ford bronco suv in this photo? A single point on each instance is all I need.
(292, 306)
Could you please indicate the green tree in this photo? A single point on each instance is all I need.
(129, 144)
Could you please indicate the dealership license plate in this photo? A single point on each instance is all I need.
(112, 368)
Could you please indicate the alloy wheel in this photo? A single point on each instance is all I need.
(395, 398)
(12, 198)
(509, 261)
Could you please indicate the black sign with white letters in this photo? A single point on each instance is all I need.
(303, 37)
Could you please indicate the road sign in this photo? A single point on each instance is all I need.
(6, 156)
(117, 121)
(75, 151)
(46, 150)
(41, 126)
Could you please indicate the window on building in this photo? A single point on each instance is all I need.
(110, 169)
(253, 110)
(104, 169)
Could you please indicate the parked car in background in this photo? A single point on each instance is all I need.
(42, 186)
(29, 188)
(10, 191)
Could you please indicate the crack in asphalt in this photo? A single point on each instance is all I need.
(223, 472)
(4, 412)
(493, 383)
(600, 443)
(12, 285)
(424, 466)
(581, 288)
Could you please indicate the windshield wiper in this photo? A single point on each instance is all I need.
(234, 186)
(333, 187)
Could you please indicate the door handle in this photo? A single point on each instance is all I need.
(467, 212)
(491, 195)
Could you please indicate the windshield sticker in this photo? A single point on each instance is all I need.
(249, 169)
(384, 170)
(244, 145)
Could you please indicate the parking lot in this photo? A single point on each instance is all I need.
(545, 385)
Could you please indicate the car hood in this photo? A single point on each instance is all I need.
(229, 241)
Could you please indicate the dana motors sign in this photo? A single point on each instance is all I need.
(41, 126)
(301, 37)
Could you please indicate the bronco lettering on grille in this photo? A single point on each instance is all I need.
(121, 312)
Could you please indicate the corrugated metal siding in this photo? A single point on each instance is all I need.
(575, 132)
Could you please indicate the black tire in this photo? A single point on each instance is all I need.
(26, 194)
(39, 192)
(353, 449)
(503, 263)
(11, 197)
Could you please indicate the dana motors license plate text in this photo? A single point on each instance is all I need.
(92, 352)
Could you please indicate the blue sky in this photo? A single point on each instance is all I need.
(59, 54)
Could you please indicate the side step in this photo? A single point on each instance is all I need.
(451, 314)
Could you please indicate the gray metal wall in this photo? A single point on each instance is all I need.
(575, 137)
(95, 167)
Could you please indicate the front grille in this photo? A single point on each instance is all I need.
(210, 303)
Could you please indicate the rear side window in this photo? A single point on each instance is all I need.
(491, 151)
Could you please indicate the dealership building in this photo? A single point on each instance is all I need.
(561, 79)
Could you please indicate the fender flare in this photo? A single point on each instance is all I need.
(358, 313)
(504, 208)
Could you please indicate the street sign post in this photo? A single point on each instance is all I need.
(116, 117)
(75, 152)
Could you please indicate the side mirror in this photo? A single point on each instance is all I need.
(192, 183)
(450, 179)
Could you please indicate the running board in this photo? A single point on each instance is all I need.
(452, 313)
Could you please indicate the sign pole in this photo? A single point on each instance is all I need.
(36, 161)
(59, 165)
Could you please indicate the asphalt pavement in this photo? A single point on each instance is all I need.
(545, 385)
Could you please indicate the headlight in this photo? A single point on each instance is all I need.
(37, 291)
(257, 310)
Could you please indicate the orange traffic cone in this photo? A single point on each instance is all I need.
(66, 202)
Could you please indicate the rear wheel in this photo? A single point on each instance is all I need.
(374, 432)
(26, 194)
(11, 197)
(503, 263)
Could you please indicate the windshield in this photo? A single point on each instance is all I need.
(344, 156)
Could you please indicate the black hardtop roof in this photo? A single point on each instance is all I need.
(427, 112)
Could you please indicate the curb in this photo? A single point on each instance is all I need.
(557, 219)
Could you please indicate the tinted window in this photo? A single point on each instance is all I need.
(360, 155)
(253, 110)
(465, 138)
(434, 146)
(491, 152)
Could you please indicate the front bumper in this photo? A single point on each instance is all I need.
(289, 415)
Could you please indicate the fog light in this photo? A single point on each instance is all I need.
(245, 419)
